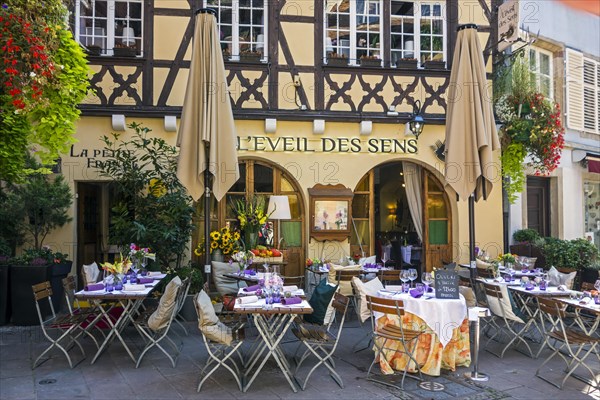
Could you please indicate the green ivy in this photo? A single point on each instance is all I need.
(512, 169)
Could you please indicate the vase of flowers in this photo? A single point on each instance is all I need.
(243, 258)
(223, 242)
(117, 271)
(138, 255)
(252, 215)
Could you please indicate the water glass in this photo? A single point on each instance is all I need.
(405, 287)
(412, 275)
(420, 287)
(597, 299)
(542, 284)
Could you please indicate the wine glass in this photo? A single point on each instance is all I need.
(404, 277)
(427, 280)
(384, 259)
(597, 285)
(412, 275)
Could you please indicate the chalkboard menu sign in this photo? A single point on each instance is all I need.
(446, 285)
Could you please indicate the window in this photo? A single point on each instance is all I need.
(591, 191)
(540, 65)
(591, 95)
(353, 29)
(243, 27)
(104, 26)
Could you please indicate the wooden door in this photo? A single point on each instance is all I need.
(437, 241)
(538, 204)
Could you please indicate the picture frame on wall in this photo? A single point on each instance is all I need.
(330, 212)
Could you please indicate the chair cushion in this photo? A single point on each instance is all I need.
(224, 284)
(208, 322)
(161, 316)
(330, 313)
(363, 289)
(319, 301)
(91, 273)
(497, 305)
(469, 295)
(345, 286)
(557, 278)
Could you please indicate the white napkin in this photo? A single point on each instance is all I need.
(133, 287)
(247, 299)
(291, 288)
(154, 273)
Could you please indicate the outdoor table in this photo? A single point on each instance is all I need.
(249, 279)
(445, 343)
(591, 308)
(105, 301)
(272, 324)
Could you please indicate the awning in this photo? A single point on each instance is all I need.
(593, 163)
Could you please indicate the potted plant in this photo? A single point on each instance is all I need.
(572, 255)
(153, 208)
(370, 61)
(93, 50)
(407, 63)
(122, 50)
(435, 64)
(223, 243)
(337, 60)
(250, 56)
(528, 243)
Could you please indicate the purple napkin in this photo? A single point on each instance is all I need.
(429, 289)
(252, 288)
(529, 286)
(94, 286)
(250, 272)
(145, 280)
(291, 300)
(416, 293)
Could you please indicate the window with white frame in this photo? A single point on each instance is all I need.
(243, 27)
(353, 29)
(110, 27)
(540, 65)
(591, 95)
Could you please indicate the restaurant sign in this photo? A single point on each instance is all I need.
(327, 145)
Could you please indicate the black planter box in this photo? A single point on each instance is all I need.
(124, 51)
(94, 50)
(589, 275)
(22, 278)
(337, 62)
(57, 273)
(529, 250)
(4, 294)
(406, 64)
(435, 64)
(370, 63)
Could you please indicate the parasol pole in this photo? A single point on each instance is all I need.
(472, 262)
(207, 262)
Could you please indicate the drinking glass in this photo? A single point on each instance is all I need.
(427, 279)
(384, 259)
(420, 287)
(412, 275)
(597, 285)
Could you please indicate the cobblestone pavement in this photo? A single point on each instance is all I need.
(114, 375)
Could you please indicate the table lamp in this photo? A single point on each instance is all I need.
(279, 208)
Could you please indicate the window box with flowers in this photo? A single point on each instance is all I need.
(223, 243)
(531, 128)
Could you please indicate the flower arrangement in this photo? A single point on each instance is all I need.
(314, 262)
(531, 127)
(243, 258)
(118, 267)
(137, 253)
(224, 239)
(508, 258)
(251, 212)
(356, 258)
(43, 256)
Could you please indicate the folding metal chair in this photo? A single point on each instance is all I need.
(68, 326)
(504, 321)
(486, 273)
(346, 276)
(220, 353)
(69, 287)
(388, 276)
(294, 280)
(321, 341)
(383, 337)
(577, 345)
(154, 336)
(183, 292)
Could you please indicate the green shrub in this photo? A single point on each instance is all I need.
(526, 236)
(576, 253)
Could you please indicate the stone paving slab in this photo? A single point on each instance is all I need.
(115, 377)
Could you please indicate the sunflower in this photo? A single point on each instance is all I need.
(236, 236)
(214, 245)
(215, 235)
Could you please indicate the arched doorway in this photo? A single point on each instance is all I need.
(402, 203)
(260, 177)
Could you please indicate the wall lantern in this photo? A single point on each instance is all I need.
(417, 122)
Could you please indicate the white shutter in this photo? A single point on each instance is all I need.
(574, 78)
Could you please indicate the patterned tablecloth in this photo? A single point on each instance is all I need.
(431, 355)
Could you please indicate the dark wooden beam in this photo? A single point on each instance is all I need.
(148, 75)
(319, 78)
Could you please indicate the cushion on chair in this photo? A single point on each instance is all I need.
(209, 323)
(319, 301)
(484, 265)
(363, 289)
(345, 286)
(557, 278)
(330, 313)
(91, 273)
(506, 303)
(224, 284)
(161, 316)
(469, 296)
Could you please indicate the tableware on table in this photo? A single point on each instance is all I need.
(404, 276)
(597, 299)
(427, 279)
(405, 287)
(420, 287)
(542, 284)
(412, 275)
(597, 285)
(384, 258)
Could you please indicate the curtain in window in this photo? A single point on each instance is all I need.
(291, 232)
(413, 174)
